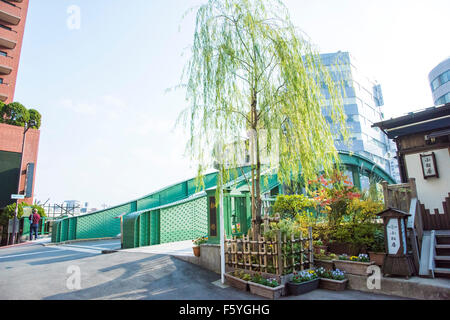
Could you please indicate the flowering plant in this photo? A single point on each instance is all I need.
(271, 282)
(200, 240)
(330, 274)
(343, 257)
(360, 258)
(304, 276)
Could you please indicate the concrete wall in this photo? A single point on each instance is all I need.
(432, 191)
(209, 257)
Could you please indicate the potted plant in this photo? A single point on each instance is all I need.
(356, 265)
(303, 282)
(332, 279)
(319, 247)
(267, 288)
(197, 242)
(238, 279)
(378, 253)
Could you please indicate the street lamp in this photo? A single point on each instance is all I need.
(26, 127)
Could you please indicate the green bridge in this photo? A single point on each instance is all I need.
(180, 212)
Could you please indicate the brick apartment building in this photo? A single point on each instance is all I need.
(13, 15)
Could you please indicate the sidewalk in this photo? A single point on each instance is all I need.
(181, 248)
(40, 241)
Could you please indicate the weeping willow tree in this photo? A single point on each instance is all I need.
(252, 69)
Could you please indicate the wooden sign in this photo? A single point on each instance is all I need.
(429, 167)
(393, 234)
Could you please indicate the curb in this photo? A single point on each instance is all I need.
(414, 288)
(79, 240)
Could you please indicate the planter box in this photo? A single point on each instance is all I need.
(330, 284)
(236, 282)
(264, 291)
(296, 289)
(326, 264)
(377, 257)
(353, 267)
(282, 280)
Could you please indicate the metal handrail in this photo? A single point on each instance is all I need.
(431, 263)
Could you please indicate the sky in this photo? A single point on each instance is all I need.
(108, 131)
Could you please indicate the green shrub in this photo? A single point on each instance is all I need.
(35, 117)
(15, 114)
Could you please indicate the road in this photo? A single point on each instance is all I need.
(37, 272)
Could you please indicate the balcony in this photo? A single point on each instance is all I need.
(4, 92)
(8, 38)
(9, 13)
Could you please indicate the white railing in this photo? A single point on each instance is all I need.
(431, 263)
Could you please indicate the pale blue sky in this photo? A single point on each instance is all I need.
(107, 133)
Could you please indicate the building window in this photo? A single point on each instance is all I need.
(3, 53)
(440, 80)
(1, 80)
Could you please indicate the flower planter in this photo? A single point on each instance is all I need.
(236, 282)
(196, 251)
(326, 264)
(265, 291)
(317, 249)
(330, 284)
(296, 289)
(377, 257)
(353, 267)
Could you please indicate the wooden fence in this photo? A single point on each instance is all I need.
(279, 255)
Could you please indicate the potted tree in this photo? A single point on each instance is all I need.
(332, 279)
(356, 265)
(196, 245)
(378, 248)
(303, 282)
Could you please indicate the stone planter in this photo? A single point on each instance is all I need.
(236, 282)
(326, 264)
(296, 289)
(377, 257)
(265, 291)
(196, 251)
(353, 267)
(334, 285)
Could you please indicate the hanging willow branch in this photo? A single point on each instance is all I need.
(252, 69)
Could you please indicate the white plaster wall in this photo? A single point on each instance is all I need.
(432, 191)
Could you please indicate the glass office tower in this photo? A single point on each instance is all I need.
(363, 104)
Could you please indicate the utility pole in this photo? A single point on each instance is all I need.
(26, 127)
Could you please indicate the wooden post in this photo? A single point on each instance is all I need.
(279, 254)
(311, 248)
(301, 252)
(385, 194)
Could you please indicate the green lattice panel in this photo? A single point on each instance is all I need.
(102, 224)
(185, 221)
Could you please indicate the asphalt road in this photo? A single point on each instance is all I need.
(36, 272)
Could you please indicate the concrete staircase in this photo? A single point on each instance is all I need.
(442, 257)
(435, 255)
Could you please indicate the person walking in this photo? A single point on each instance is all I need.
(34, 224)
